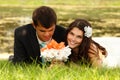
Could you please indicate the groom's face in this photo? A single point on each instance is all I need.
(45, 34)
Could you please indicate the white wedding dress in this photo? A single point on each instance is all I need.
(112, 45)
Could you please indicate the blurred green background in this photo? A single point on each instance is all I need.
(104, 15)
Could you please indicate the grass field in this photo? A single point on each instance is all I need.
(59, 2)
(9, 71)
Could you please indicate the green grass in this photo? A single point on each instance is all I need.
(60, 2)
(9, 71)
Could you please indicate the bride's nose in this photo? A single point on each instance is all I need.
(73, 38)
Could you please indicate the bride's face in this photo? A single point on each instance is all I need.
(74, 37)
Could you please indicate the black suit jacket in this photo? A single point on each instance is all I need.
(26, 46)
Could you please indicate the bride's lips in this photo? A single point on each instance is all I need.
(71, 43)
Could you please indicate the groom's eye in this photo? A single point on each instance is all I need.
(41, 30)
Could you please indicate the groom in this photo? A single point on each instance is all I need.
(29, 38)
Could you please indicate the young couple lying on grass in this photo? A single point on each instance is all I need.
(45, 41)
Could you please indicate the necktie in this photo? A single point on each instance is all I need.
(41, 46)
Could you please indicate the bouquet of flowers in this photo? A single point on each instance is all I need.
(55, 51)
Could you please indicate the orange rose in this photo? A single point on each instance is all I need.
(53, 44)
